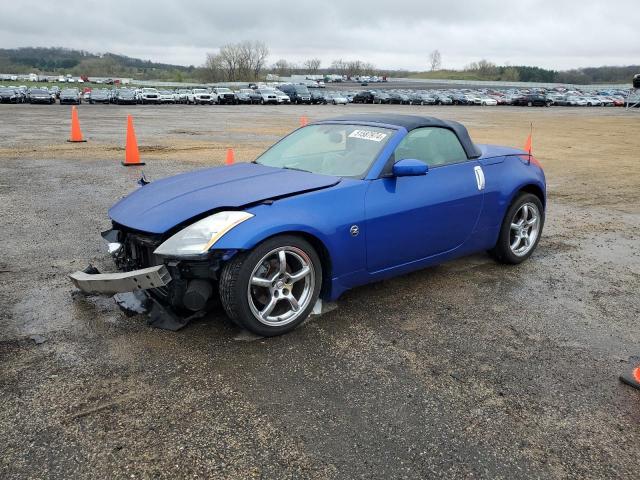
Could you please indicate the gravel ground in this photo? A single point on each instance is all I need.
(469, 369)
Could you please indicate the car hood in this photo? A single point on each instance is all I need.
(164, 204)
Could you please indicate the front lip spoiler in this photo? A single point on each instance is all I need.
(91, 281)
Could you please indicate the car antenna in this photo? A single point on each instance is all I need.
(143, 180)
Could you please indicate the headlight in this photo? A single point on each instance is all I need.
(198, 238)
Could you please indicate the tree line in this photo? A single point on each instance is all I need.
(249, 61)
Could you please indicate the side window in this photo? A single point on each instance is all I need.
(432, 145)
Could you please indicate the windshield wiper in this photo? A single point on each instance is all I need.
(295, 168)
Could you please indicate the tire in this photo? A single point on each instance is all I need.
(503, 251)
(243, 300)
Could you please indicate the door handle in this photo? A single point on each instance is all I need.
(479, 177)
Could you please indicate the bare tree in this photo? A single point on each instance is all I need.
(313, 65)
(238, 61)
(339, 66)
(259, 58)
(281, 68)
(368, 69)
(487, 68)
(230, 59)
(354, 68)
(435, 60)
(213, 68)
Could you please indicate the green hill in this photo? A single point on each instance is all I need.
(56, 60)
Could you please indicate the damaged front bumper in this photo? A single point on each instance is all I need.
(111, 283)
(133, 293)
(171, 291)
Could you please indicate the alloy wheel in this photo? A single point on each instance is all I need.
(525, 228)
(281, 286)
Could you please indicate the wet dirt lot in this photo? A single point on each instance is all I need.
(469, 369)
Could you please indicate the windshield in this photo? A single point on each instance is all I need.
(38, 91)
(339, 150)
(200, 90)
(224, 90)
(301, 89)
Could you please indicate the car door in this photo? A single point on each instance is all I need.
(416, 217)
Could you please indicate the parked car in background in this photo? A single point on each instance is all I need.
(243, 98)
(70, 96)
(182, 95)
(488, 101)
(532, 100)
(337, 98)
(125, 96)
(10, 95)
(149, 95)
(364, 96)
(399, 98)
(251, 93)
(459, 99)
(100, 95)
(421, 99)
(201, 96)
(592, 101)
(297, 93)
(40, 95)
(381, 97)
(442, 99)
(167, 96)
(224, 96)
(267, 95)
(283, 98)
(577, 101)
(564, 101)
(317, 97)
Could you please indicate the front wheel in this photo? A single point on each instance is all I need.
(521, 230)
(272, 289)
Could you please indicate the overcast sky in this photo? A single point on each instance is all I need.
(558, 34)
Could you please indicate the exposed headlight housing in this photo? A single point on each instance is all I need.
(197, 238)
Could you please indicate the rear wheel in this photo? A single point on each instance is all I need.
(521, 230)
(273, 288)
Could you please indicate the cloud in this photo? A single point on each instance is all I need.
(558, 34)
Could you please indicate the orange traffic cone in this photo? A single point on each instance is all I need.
(76, 133)
(132, 155)
(632, 378)
(304, 121)
(230, 157)
(528, 145)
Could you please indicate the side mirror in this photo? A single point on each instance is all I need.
(409, 167)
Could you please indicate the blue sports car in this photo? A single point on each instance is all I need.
(333, 205)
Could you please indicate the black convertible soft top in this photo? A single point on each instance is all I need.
(411, 122)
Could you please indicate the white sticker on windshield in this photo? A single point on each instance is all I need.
(368, 135)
